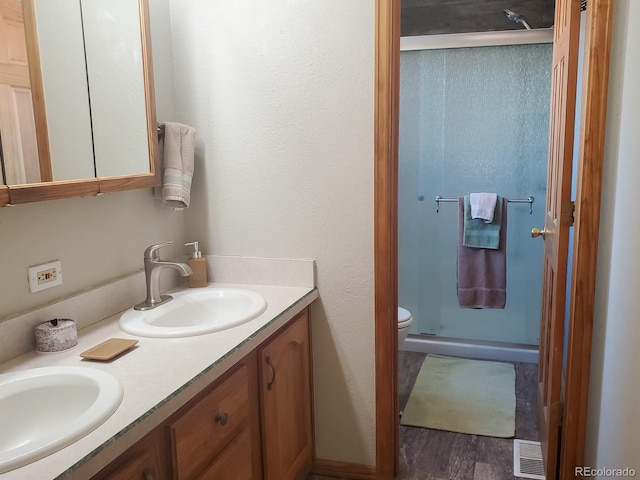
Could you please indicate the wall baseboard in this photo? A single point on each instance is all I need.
(353, 471)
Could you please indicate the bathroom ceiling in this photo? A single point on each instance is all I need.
(432, 17)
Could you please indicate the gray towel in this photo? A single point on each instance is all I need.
(482, 272)
(477, 232)
(176, 149)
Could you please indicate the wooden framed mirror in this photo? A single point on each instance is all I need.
(77, 106)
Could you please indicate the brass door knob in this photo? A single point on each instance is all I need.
(536, 232)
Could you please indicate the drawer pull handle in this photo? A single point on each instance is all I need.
(147, 474)
(273, 373)
(221, 419)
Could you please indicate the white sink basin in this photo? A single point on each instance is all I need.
(195, 312)
(43, 410)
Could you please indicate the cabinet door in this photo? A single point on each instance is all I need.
(285, 388)
(209, 429)
(232, 462)
(146, 460)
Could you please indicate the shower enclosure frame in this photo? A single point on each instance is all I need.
(476, 39)
(592, 132)
(443, 345)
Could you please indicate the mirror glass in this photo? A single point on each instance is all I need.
(81, 111)
(64, 83)
(116, 86)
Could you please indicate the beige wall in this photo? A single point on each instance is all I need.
(97, 238)
(613, 428)
(283, 101)
(281, 94)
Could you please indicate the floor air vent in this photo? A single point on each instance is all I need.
(527, 460)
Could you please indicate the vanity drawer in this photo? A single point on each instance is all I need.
(209, 425)
(234, 461)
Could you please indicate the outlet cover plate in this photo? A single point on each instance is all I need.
(45, 276)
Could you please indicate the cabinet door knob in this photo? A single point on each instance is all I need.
(221, 418)
(273, 373)
(147, 474)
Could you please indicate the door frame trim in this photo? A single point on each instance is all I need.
(593, 118)
(591, 151)
(386, 125)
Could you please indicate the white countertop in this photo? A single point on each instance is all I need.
(158, 375)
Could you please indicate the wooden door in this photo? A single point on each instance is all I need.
(17, 123)
(558, 219)
(285, 393)
(14, 66)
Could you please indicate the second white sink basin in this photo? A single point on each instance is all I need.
(195, 312)
(45, 409)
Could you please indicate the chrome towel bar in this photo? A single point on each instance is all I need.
(529, 200)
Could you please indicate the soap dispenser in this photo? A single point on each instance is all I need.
(198, 264)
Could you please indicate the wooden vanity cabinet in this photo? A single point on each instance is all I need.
(253, 423)
(285, 401)
(146, 460)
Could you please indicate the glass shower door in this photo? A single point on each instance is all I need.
(471, 120)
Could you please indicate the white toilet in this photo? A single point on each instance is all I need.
(404, 322)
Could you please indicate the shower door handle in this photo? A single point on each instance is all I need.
(536, 232)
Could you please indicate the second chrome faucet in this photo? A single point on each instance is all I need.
(153, 266)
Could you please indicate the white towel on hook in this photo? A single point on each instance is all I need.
(483, 205)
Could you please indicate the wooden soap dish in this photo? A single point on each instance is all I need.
(108, 349)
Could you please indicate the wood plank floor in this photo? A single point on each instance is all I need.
(427, 454)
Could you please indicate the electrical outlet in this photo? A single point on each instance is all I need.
(45, 276)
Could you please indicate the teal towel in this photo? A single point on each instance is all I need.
(477, 233)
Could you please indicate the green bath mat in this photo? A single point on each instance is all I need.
(466, 396)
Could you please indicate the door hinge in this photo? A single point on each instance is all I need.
(567, 211)
(557, 411)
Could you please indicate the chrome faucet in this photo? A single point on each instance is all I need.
(153, 265)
